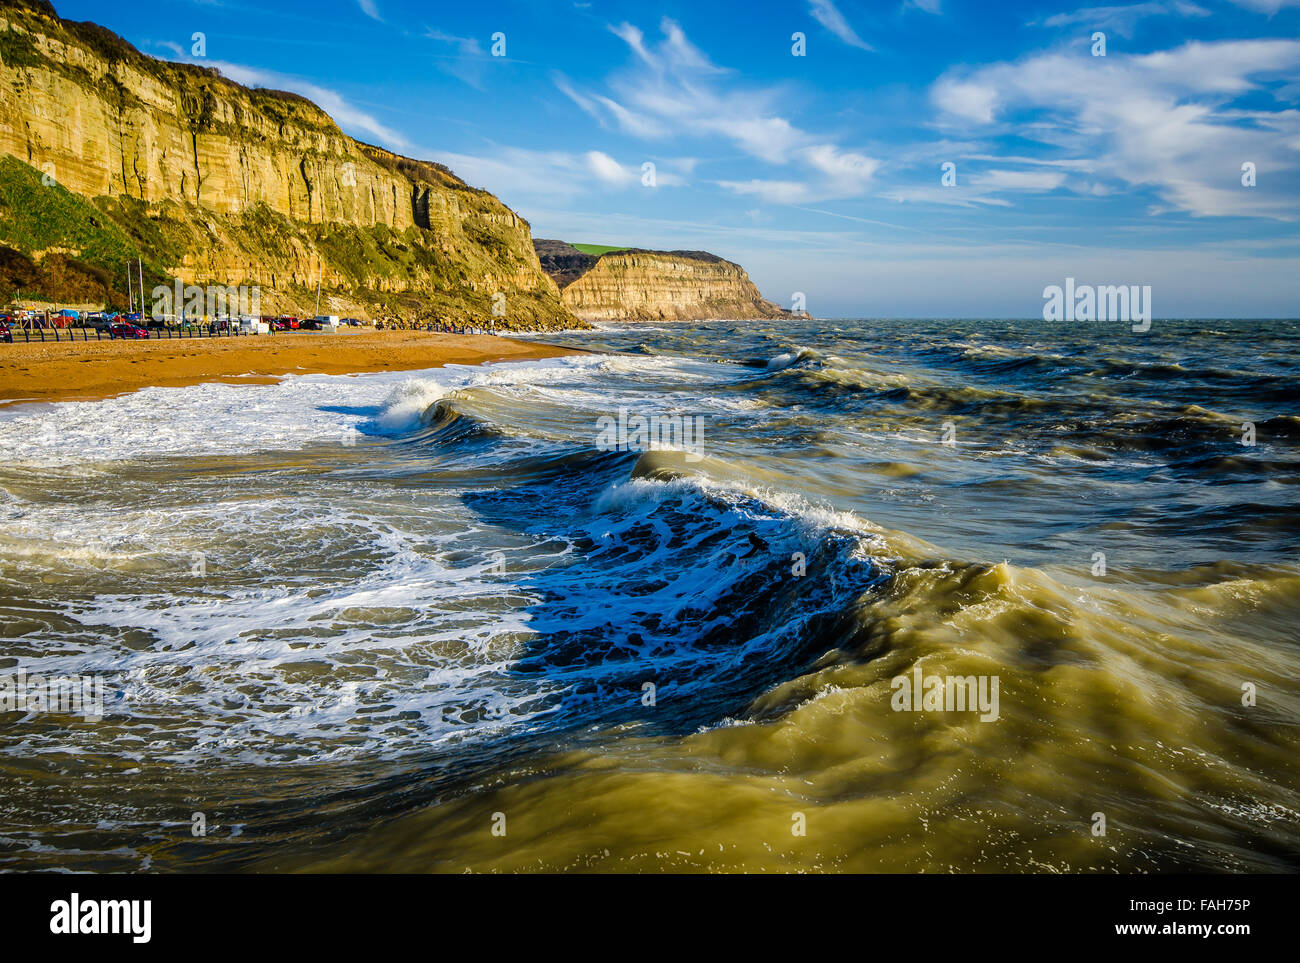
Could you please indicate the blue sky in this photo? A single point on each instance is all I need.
(822, 173)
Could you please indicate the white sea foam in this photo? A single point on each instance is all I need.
(362, 614)
(228, 419)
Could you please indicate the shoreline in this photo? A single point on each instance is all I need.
(95, 370)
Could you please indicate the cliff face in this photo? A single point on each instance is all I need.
(635, 285)
(213, 182)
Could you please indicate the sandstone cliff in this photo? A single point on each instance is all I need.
(636, 285)
(119, 155)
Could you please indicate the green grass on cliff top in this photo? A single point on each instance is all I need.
(596, 250)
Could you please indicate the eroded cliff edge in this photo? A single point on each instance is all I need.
(640, 285)
(114, 155)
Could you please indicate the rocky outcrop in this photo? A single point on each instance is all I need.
(637, 285)
(213, 182)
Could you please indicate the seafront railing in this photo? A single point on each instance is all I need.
(51, 335)
(55, 334)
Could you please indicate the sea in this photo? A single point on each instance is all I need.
(871, 595)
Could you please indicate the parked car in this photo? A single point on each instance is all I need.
(122, 330)
(5, 334)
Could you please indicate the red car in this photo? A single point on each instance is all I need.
(127, 331)
(5, 333)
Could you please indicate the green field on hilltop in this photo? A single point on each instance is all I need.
(596, 250)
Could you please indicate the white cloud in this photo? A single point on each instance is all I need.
(635, 39)
(1163, 120)
(1004, 180)
(846, 172)
(468, 61)
(683, 54)
(1269, 7)
(825, 13)
(638, 125)
(975, 101)
(369, 9)
(842, 174)
(1123, 18)
(520, 176)
(774, 192)
(512, 173)
(600, 107)
(684, 93)
(607, 169)
(466, 45)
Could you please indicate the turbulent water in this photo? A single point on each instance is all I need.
(435, 621)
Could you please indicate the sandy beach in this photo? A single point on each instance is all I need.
(92, 370)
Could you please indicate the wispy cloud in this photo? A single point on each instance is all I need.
(1122, 19)
(826, 13)
(175, 49)
(520, 176)
(1269, 7)
(987, 187)
(842, 174)
(369, 9)
(771, 191)
(1007, 180)
(676, 90)
(468, 60)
